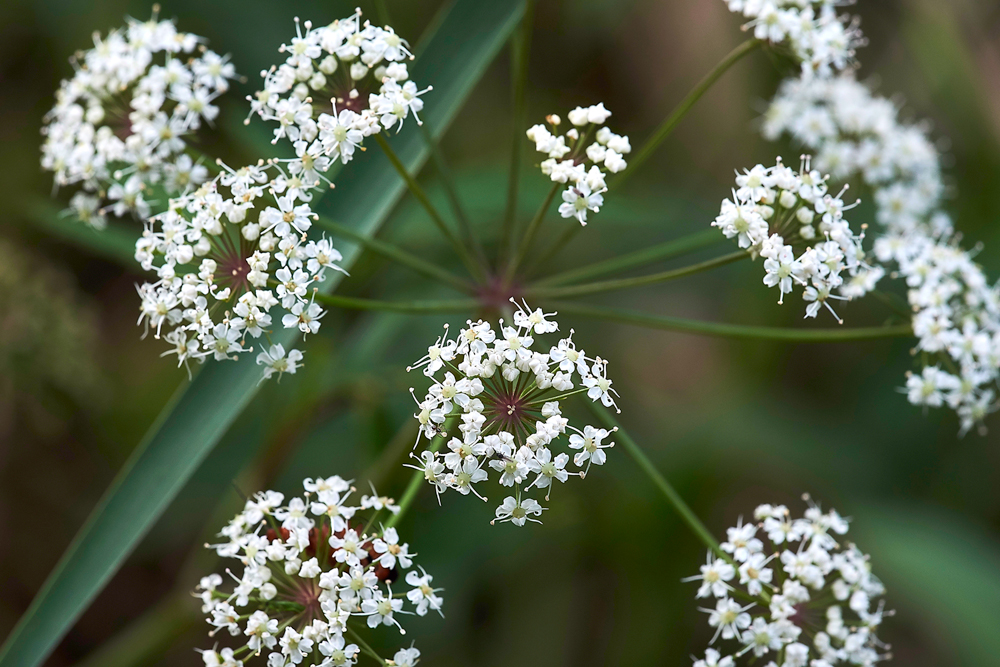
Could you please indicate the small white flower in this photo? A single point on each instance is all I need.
(275, 361)
(517, 512)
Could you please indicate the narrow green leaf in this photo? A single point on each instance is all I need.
(454, 60)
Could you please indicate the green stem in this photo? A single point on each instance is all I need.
(656, 253)
(448, 181)
(674, 498)
(638, 281)
(555, 248)
(417, 479)
(365, 647)
(421, 196)
(668, 125)
(529, 234)
(893, 301)
(397, 254)
(382, 12)
(740, 331)
(520, 50)
(415, 307)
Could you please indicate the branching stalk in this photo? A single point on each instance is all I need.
(414, 307)
(529, 234)
(657, 253)
(448, 181)
(741, 331)
(417, 479)
(365, 648)
(668, 491)
(520, 50)
(397, 254)
(638, 281)
(671, 121)
(556, 247)
(421, 196)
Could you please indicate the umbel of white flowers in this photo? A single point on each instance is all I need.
(506, 398)
(339, 84)
(230, 252)
(823, 41)
(121, 125)
(570, 153)
(796, 597)
(312, 573)
(790, 219)
(956, 310)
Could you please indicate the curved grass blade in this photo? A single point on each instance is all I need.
(454, 60)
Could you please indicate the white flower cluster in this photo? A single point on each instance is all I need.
(340, 83)
(956, 310)
(817, 36)
(790, 219)
(856, 133)
(311, 574)
(226, 255)
(801, 598)
(120, 126)
(957, 321)
(506, 399)
(569, 155)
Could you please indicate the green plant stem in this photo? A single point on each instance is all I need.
(893, 301)
(741, 331)
(448, 181)
(638, 281)
(417, 479)
(529, 234)
(397, 254)
(520, 50)
(382, 12)
(668, 491)
(421, 196)
(656, 253)
(556, 247)
(671, 121)
(414, 307)
(365, 647)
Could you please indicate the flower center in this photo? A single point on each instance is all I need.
(307, 594)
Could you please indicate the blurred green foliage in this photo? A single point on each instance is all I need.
(730, 424)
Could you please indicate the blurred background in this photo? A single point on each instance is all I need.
(730, 424)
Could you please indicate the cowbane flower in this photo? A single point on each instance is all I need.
(823, 41)
(581, 166)
(801, 596)
(579, 199)
(339, 84)
(790, 219)
(494, 409)
(122, 123)
(857, 134)
(714, 659)
(225, 256)
(306, 575)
